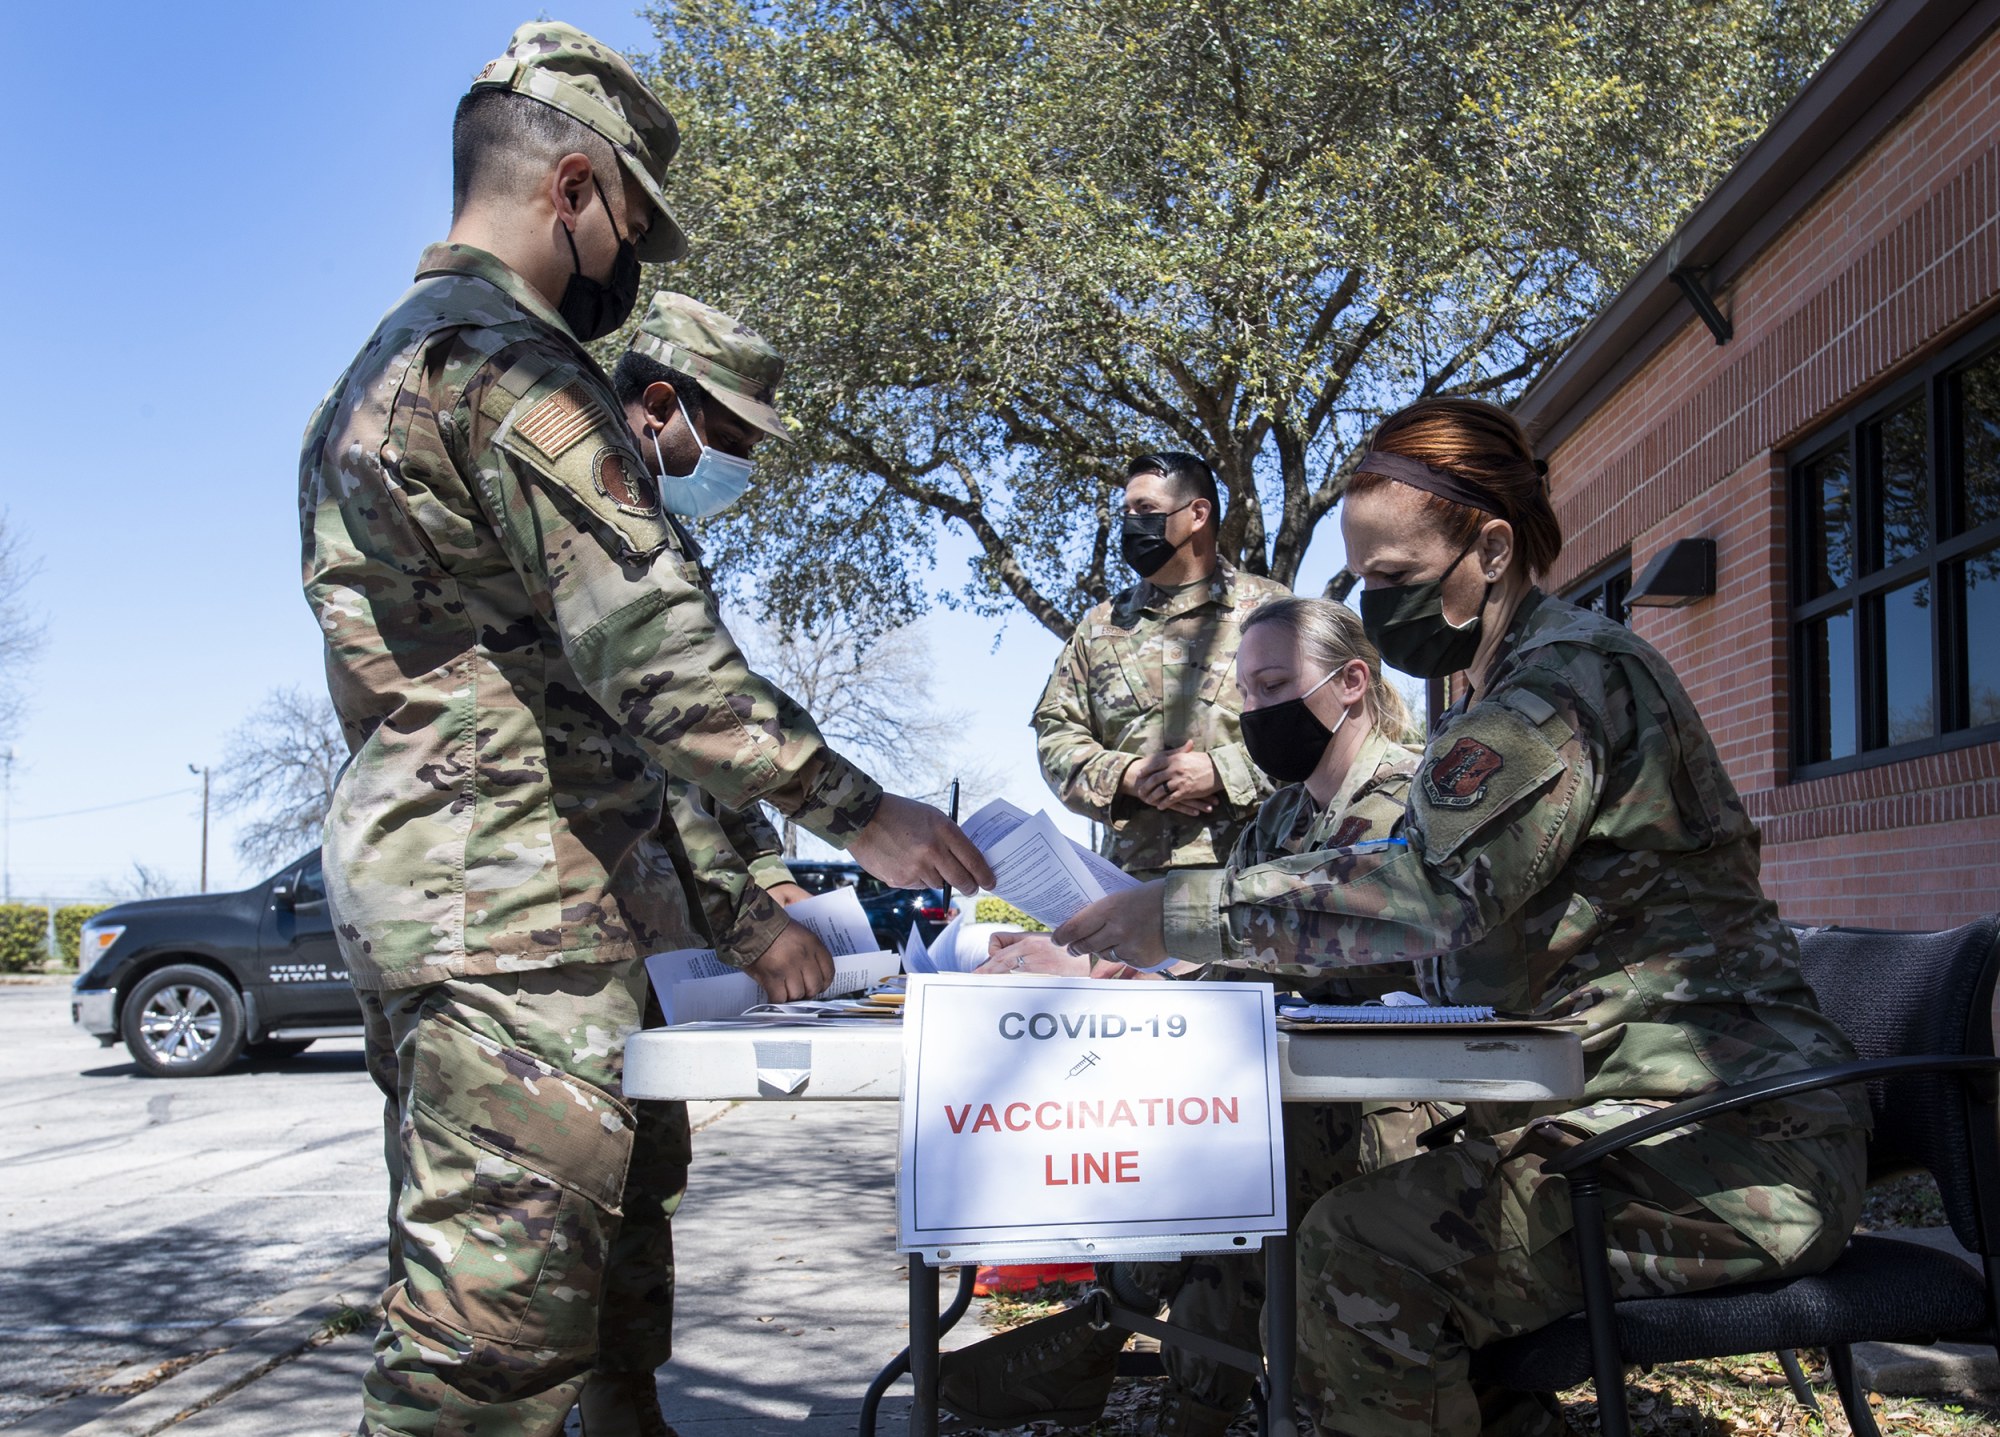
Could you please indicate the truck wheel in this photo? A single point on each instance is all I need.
(273, 1049)
(183, 1022)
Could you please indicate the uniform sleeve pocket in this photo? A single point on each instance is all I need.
(1470, 783)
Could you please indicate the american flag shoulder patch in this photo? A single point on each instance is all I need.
(562, 421)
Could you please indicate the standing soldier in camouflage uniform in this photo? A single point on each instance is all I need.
(729, 859)
(517, 649)
(698, 390)
(1138, 725)
(1573, 848)
(1320, 720)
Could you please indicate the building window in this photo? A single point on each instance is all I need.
(1896, 571)
(1605, 590)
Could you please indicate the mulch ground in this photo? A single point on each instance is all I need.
(1739, 1397)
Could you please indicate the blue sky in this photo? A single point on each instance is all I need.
(214, 203)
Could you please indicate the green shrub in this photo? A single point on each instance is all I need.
(70, 919)
(24, 938)
(999, 910)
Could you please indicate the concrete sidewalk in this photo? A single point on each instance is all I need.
(791, 1297)
(791, 1294)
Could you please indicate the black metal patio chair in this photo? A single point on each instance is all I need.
(1919, 1010)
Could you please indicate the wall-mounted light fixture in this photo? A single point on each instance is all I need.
(1683, 573)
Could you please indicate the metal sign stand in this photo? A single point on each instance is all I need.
(1098, 1308)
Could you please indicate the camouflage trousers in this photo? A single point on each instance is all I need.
(1221, 1295)
(1404, 1271)
(530, 1213)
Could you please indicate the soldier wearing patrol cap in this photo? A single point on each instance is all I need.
(700, 388)
(518, 647)
(699, 392)
(1140, 725)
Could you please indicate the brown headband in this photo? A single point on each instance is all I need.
(1429, 478)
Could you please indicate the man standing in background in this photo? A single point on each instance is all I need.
(1139, 725)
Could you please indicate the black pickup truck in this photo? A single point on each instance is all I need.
(192, 984)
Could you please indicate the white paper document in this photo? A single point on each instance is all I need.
(1045, 875)
(917, 954)
(1000, 818)
(697, 987)
(837, 919)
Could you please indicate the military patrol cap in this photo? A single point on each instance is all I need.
(733, 363)
(592, 84)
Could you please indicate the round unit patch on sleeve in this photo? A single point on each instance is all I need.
(631, 488)
(1459, 778)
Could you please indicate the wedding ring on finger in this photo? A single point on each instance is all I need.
(1020, 962)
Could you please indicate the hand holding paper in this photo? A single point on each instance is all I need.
(1130, 924)
(694, 986)
(837, 919)
(1036, 868)
(911, 845)
(795, 966)
(1033, 953)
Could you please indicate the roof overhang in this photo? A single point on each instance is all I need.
(1899, 51)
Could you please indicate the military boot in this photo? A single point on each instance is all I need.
(622, 1404)
(1062, 1376)
(1183, 1416)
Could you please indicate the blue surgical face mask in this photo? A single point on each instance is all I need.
(717, 481)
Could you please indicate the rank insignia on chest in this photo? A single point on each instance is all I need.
(1352, 830)
(1459, 779)
(625, 484)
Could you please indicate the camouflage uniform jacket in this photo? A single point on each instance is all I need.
(1573, 847)
(728, 856)
(517, 649)
(732, 856)
(1368, 808)
(1145, 672)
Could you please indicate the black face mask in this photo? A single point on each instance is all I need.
(1407, 623)
(1286, 739)
(592, 308)
(1142, 539)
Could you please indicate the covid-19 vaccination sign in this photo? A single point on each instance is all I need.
(1066, 1117)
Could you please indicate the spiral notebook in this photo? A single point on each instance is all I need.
(1379, 1013)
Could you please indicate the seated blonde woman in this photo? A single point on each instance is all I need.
(1319, 718)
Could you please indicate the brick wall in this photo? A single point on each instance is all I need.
(1729, 651)
(1898, 257)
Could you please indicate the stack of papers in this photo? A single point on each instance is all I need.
(960, 948)
(694, 986)
(1035, 868)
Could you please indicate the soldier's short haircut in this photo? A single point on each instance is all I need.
(503, 144)
(636, 371)
(1188, 477)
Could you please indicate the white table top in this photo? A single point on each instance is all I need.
(851, 1062)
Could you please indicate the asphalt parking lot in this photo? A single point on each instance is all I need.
(137, 1211)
